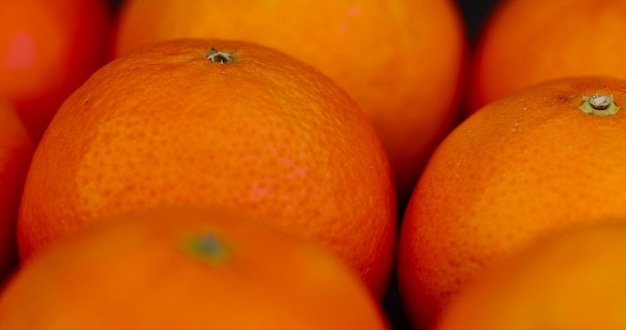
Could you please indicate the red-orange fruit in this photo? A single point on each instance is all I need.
(47, 49)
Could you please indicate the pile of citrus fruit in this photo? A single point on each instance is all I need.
(344, 164)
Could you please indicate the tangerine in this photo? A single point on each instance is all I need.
(574, 280)
(186, 268)
(209, 122)
(531, 163)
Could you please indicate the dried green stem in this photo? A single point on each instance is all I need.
(599, 105)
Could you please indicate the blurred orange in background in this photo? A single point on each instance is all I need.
(47, 49)
(186, 268)
(401, 60)
(573, 280)
(525, 42)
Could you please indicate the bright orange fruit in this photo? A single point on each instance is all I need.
(574, 280)
(180, 268)
(525, 42)
(526, 165)
(47, 49)
(401, 60)
(16, 150)
(172, 124)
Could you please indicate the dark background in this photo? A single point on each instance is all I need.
(474, 13)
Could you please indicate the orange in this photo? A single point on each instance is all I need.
(525, 42)
(47, 49)
(16, 150)
(184, 268)
(526, 165)
(401, 60)
(572, 281)
(265, 134)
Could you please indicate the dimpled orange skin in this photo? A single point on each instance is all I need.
(16, 150)
(401, 60)
(265, 134)
(574, 280)
(186, 268)
(48, 48)
(519, 168)
(525, 42)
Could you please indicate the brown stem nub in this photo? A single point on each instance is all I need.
(221, 57)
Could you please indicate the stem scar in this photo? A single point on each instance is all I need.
(599, 105)
(221, 57)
